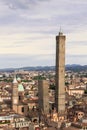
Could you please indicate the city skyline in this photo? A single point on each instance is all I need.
(28, 29)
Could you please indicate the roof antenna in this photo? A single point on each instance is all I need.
(60, 31)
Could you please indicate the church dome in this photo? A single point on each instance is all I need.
(19, 79)
(20, 88)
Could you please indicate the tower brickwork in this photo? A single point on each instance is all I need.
(60, 73)
(43, 86)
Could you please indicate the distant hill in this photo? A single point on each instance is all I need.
(73, 67)
(37, 68)
(76, 68)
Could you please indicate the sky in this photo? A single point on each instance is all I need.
(28, 29)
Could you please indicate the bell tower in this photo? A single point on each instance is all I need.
(15, 94)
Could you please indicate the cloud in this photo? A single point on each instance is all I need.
(45, 14)
(17, 4)
(76, 59)
(22, 4)
(17, 60)
(27, 44)
(76, 48)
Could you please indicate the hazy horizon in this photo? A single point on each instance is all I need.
(28, 29)
(40, 66)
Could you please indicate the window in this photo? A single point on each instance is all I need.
(22, 109)
(19, 97)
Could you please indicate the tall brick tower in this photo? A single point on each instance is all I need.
(43, 96)
(60, 73)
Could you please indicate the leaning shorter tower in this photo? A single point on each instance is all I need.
(60, 73)
(43, 86)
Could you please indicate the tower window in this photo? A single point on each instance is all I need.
(19, 97)
(22, 109)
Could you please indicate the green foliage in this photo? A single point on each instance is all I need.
(66, 83)
(6, 80)
(85, 75)
(39, 78)
(26, 80)
(52, 86)
(5, 122)
(85, 91)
